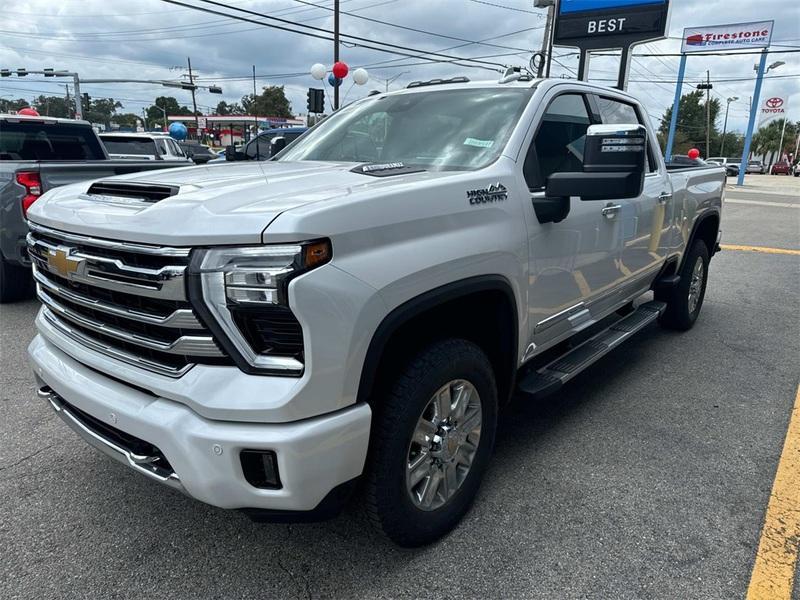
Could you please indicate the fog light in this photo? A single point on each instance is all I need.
(260, 468)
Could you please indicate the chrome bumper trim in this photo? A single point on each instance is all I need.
(135, 461)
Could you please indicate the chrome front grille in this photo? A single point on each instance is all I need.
(127, 301)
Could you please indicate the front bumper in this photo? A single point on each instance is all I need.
(314, 455)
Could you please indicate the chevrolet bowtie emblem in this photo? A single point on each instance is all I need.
(60, 262)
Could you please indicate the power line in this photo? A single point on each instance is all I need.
(401, 50)
(515, 9)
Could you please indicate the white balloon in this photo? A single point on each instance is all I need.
(318, 71)
(360, 76)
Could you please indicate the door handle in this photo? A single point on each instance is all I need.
(610, 210)
(664, 197)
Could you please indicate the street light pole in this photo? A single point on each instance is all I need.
(194, 100)
(725, 126)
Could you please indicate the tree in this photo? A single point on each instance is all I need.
(767, 139)
(690, 130)
(272, 102)
(100, 110)
(167, 103)
(54, 106)
(12, 106)
(223, 108)
(127, 120)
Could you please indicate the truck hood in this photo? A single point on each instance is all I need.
(214, 204)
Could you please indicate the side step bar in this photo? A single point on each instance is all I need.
(551, 377)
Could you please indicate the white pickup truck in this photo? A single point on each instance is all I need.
(266, 335)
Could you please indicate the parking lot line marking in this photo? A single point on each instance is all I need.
(759, 249)
(761, 203)
(773, 571)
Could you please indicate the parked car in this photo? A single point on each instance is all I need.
(796, 169)
(781, 168)
(756, 166)
(199, 153)
(731, 164)
(261, 147)
(360, 307)
(143, 146)
(38, 154)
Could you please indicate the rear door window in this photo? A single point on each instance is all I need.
(27, 140)
(130, 145)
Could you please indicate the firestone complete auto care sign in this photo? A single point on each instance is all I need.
(772, 108)
(727, 37)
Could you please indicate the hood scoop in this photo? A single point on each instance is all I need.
(127, 192)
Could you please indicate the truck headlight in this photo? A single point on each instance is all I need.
(243, 291)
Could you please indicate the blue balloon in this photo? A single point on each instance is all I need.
(178, 131)
(334, 81)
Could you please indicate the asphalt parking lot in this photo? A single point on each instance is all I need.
(648, 477)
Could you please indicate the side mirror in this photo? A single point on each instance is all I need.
(230, 152)
(276, 144)
(613, 165)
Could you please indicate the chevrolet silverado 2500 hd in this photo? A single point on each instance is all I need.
(264, 335)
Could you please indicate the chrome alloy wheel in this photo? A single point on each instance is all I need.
(696, 284)
(444, 444)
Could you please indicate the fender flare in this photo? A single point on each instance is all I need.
(693, 235)
(418, 305)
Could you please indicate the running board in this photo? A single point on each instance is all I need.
(551, 377)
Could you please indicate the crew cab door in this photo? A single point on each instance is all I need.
(574, 261)
(644, 221)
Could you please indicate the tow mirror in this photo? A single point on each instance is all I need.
(276, 144)
(613, 165)
(230, 152)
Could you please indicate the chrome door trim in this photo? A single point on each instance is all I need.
(559, 316)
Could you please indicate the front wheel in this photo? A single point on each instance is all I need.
(432, 438)
(686, 299)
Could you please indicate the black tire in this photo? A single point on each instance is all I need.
(388, 499)
(679, 315)
(16, 282)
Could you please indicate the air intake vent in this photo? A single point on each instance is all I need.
(146, 192)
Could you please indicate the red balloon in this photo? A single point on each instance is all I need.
(693, 153)
(340, 70)
(30, 112)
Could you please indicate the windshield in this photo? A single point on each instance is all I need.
(440, 129)
(131, 145)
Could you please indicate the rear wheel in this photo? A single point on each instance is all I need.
(16, 282)
(432, 439)
(686, 299)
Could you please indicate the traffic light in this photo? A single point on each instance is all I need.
(86, 99)
(316, 100)
(5, 72)
(214, 89)
(49, 73)
(21, 72)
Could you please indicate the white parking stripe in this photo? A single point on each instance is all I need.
(762, 203)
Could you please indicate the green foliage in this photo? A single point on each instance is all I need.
(126, 120)
(168, 103)
(100, 110)
(223, 108)
(55, 106)
(690, 131)
(767, 139)
(272, 102)
(12, 106)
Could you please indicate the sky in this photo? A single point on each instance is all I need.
(151, 39)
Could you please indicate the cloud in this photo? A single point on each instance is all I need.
(152, 40)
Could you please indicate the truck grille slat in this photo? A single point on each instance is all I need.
(122, 300)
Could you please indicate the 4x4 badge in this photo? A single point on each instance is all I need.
(496, 192)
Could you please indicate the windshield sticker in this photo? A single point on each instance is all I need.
(478, 143)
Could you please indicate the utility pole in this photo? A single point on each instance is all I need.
(194, 100)
(335, 50)
(707, 87)
(66, 85)
(540, 71)
(255, 115)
